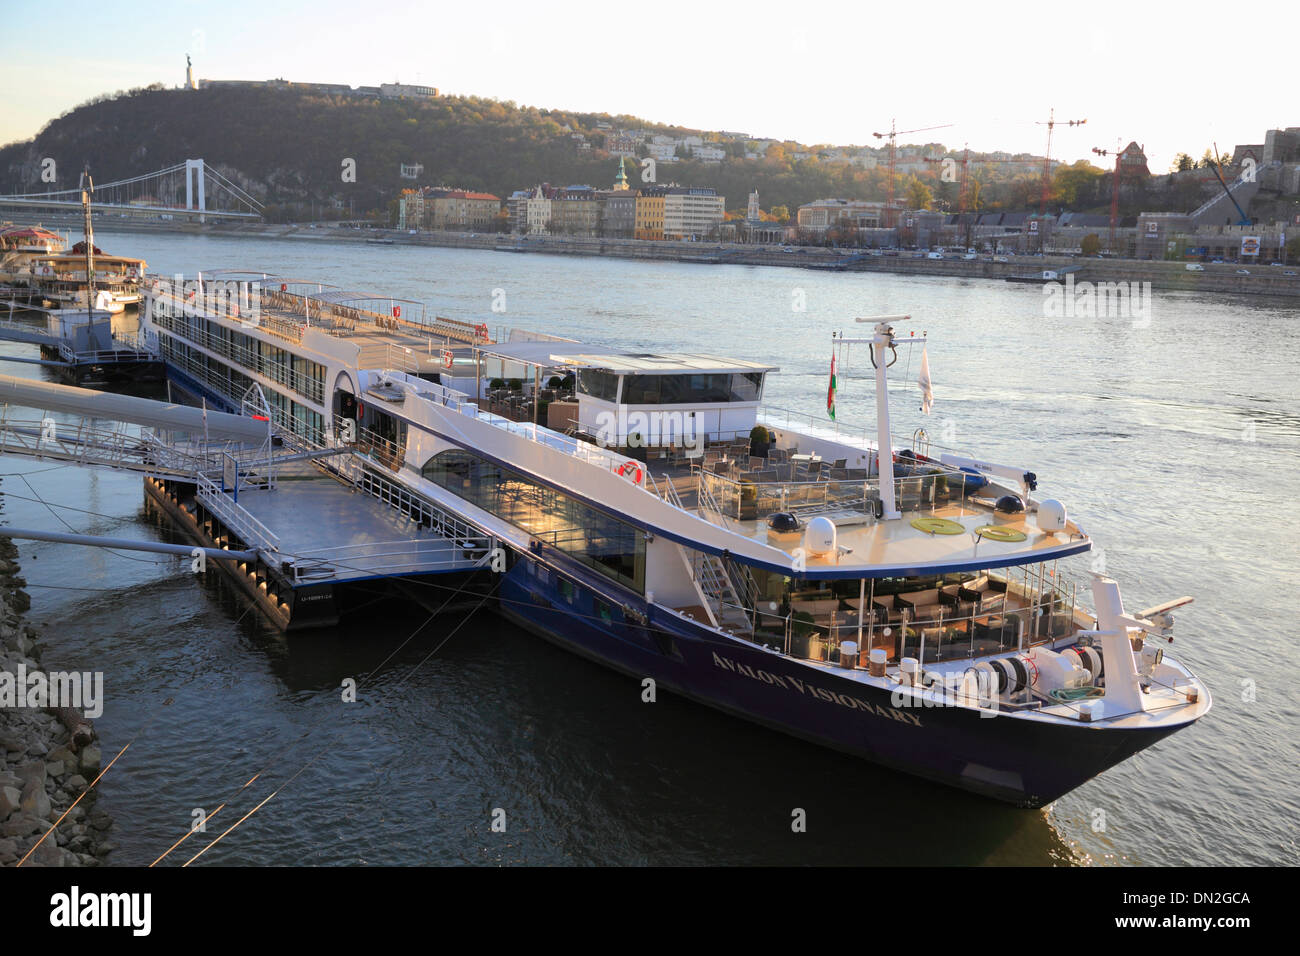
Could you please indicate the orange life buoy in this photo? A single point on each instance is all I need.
(634, 468)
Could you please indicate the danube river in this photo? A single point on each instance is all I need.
(1173, 436)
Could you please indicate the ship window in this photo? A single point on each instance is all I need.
(599, 540)
(692, 389)
(598, 384)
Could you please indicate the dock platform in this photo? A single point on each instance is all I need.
(323, 544)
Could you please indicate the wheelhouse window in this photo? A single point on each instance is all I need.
(704, 388)
(598, 384)
(601, 541)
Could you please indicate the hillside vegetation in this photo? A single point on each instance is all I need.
(287, 147)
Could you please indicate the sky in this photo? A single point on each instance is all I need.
(1173, 77)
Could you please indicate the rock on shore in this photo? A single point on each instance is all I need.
(41, 770)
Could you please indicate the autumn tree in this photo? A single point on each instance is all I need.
(918, 194)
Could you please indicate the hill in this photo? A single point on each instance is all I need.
(287, 146)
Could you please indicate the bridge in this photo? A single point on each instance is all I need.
(189, 190)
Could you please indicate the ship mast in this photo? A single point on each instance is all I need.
(87, 187)
(883, 341)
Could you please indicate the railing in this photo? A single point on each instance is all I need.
(235, 517)
(746, 499)
(86, 441)
(96, 356)
(708, 502)
(592, 454)
(325, 562)
(249, 362)
(856, 436)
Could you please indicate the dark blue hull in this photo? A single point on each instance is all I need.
(1026, 762)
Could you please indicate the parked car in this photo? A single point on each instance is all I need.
(1195, 267)
(1243, 272)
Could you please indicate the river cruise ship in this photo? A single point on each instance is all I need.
(922, 608)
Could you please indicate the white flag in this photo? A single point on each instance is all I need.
(927, 393)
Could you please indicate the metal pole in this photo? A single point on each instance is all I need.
(128, 544)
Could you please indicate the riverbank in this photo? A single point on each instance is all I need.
(42, 768)
(1215, 278)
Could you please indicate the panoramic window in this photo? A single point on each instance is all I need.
(603, 542)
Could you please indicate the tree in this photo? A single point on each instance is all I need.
(918, 194)
(1183, 163)
(1090, 245)
(781, 213)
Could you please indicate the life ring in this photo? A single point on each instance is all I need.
(632, 467)
(937, 526)
(998, 532)
(481, 330)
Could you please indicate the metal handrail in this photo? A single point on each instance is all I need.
(236, 517)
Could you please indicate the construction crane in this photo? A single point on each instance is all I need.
(961, 189)
(893, 135)
(1114, 192)
(1047, 157)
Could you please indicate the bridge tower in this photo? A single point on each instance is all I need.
(193, 166)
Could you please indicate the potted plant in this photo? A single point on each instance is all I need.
(760, 440)
(748, 501)
(804, 640)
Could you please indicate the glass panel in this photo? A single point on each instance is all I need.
(598, 384)
(610, 546)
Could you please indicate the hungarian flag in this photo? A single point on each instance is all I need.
(830, 393)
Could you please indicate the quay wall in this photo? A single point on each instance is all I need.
(1263, 280)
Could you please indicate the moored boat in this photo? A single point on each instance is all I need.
(911, 606)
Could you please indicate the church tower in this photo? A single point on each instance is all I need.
(620, 181)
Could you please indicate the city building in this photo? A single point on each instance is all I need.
(692, 212)
(462, 209)
(618, 214)
(649, 213)
(822, 214)
(575, 211)
(539, 212)
(410, 209)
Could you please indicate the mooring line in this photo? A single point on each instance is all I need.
(339, 732)
(271, 760)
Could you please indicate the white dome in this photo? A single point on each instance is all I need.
(819, 538)
(1051, 515)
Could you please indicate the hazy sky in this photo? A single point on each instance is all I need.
(1175, 77)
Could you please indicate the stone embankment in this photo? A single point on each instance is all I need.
(44, 766)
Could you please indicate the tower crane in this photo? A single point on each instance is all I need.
(1051, 123)
(1114, 192)
(892, 135)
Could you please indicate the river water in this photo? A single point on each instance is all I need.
(1173, 436)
